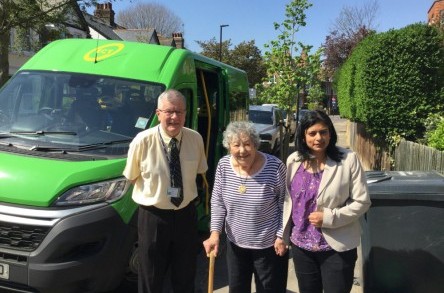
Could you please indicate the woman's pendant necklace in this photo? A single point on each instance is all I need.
(243, 185)
(242, 188)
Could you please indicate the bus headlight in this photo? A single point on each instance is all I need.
(110, 191)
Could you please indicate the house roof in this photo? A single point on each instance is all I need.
(101, 27)
(119, 32)
(103, 23)
(78, 22)
(138, 35)
(166, 41)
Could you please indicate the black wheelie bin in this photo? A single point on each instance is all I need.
(403, 233)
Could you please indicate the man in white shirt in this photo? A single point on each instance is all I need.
(167, 220)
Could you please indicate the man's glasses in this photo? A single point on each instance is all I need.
(171, 112)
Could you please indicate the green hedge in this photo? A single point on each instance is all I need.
(392, 81)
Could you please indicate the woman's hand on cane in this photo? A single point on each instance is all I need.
(211, 245)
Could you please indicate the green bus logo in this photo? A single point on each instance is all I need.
(103, 52)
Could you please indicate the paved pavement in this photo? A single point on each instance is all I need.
(341, 130)
(220, 273)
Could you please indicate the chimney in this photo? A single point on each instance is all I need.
(106, 13)
(178, 40)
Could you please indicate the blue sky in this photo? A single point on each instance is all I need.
(253, 19)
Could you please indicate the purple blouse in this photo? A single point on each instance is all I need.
(304, 189)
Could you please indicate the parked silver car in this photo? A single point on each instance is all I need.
(291, 123)
(302, 113)
(266, 121)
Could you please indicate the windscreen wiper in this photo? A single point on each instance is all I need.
(82, 148)
(42, 132)
(49, 149)
(6, 135)
(103, 144)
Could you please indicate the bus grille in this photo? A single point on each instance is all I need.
(21, 237)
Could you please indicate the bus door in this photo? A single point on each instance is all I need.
(211, 109)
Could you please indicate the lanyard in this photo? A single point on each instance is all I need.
(165, 149)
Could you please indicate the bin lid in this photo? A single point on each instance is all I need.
(411, 185)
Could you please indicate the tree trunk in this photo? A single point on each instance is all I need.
(4, 57)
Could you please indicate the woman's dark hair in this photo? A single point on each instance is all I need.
(310, 119)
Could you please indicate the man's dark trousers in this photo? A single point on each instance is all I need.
(167, 239)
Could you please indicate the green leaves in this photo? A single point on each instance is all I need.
(393, 80)
(436, 137)
(33, 17)
(290, 62)
(245, 56)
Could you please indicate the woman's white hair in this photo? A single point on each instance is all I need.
(237, 128)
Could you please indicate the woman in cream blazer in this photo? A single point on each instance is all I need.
(326, 195)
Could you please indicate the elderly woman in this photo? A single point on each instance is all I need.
(327, 195)
(248, 196)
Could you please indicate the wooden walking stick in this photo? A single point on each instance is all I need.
(211, 272)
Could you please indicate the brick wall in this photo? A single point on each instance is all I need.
(435, 14)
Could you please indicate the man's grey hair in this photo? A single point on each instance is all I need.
(170, 94)
(236, 128)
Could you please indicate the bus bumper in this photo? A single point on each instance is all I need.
(84, 251)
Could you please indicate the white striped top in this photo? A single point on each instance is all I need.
(252, 219)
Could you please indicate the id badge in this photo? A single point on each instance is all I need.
(173, 192)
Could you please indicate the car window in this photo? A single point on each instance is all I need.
(302, 113)
(261, 117)
(278, 115)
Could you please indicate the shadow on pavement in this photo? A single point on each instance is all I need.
(220, 268)
(201, 281)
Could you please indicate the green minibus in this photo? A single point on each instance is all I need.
(67, 220)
